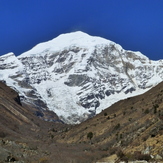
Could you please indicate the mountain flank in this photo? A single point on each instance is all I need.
(76, 75)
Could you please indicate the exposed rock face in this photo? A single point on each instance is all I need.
(77, 75)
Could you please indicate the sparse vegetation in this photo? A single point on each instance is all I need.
(90, 135)
(2, 134)
(117, 126)
(146, 111)
(155, 108)
(105, 114)
(124, 112)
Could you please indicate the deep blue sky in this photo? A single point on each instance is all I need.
(134, 24)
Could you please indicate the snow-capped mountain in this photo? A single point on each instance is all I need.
(77, 75)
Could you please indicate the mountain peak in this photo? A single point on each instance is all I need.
(63, 41)
(77, 34)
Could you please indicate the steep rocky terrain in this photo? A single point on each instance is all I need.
(77, 75)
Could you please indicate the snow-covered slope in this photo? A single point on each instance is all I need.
(77, 75)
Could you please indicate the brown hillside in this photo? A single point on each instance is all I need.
(131, 129)
(14, 119)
